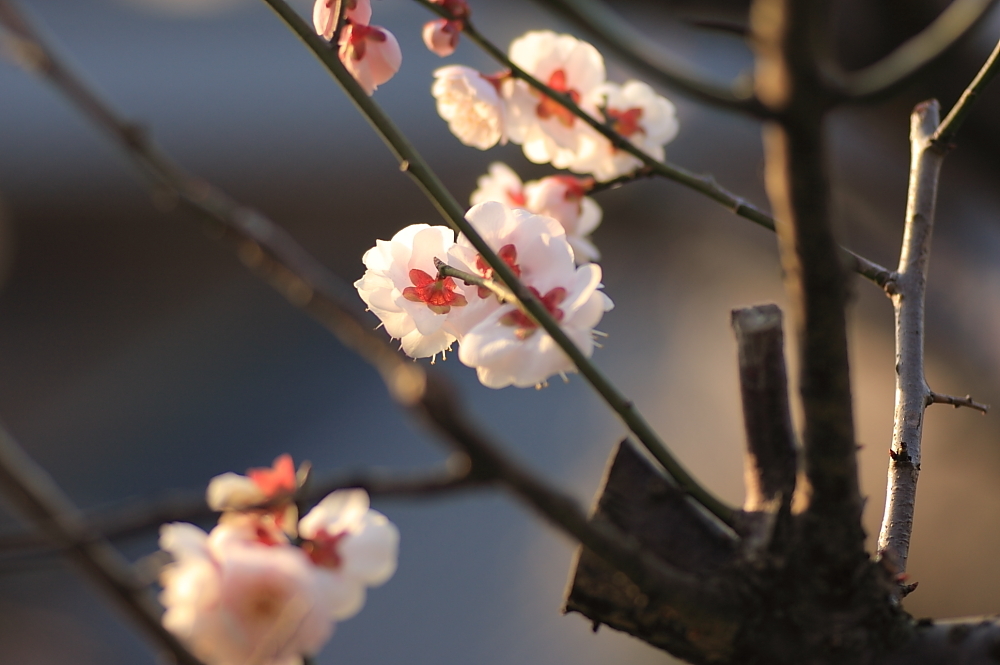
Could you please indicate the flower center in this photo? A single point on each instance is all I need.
(516, 197)
(525, 326)
(507, 254)
(360, 33)
(277, 480)
(626, 122)
(324, 549)
(548, 107)
(438, 294)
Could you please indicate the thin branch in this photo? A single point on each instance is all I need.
(42, 503)
(641, 173)
(502, 293)
(134, 517)
(915, 54)
(912, 392)
(602, 22)
(704, 184)
(969, 641)
(967, 401)
(273, 255)
(946, 131)
(454, 214)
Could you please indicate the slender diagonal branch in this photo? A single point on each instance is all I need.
(957, 402)
(270, 253)
(915, 54)
(705, 184)
(454, 214)
(953, 121)
(37, 497)
(912, 392)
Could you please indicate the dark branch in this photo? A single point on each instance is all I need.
(946, 131)
(915, 54)
(967, 401)
(42, 503)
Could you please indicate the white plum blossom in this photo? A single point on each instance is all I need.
(561, 197)
(353, 546)
(401, 287)
(370, 53)
(546, 130)
(325, 21)
(634, 110)
(501, 184)
(244, 594)
(274, 486)
(564, 198)
(507, 347)
(470, 103)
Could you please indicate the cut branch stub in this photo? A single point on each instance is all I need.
(640, 501)
(771, 457)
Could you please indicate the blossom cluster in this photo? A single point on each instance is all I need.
(429, 312)
(369, 52)
(264, 587)
(483, 110)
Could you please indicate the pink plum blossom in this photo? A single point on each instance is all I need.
(507, 347)
(470, 104)
(635, 111)
(401, 287)
(441, 36)
(353, 546)
(325, 21)
(564, 199)
(546, 130)
(244, 594)
(370, 53)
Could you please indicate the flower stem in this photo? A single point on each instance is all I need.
(454, 214)
(504, 294)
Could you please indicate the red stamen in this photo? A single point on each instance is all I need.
(438, 294)
(277, 480)
(517, 197)
(548, 107)
(625, 122)
(507, 254)
(525, 326)
(323, 549)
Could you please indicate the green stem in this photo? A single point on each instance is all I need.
(499, 290)
(454, 214)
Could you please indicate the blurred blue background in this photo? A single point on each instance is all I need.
(136, 356)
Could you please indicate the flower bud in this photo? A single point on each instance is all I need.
(441, 36)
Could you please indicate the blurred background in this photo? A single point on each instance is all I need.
(137, 357)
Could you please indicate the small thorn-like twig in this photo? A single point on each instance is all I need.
(957, 402)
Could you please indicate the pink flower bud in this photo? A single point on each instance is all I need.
(370, 53)
(441, 36)
(324, 18)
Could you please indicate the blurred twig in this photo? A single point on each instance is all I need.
(42, 503)
(946, 131)
(273, 255)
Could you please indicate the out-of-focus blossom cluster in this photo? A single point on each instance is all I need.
(263, 587)
(369, 52)
(429, 312)
(483, 110)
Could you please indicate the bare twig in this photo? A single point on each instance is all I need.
(912, 392)
(42, 503)
(274, 256)
(915, 54)
(702, 183)
(953, 121)
(969, 641)
(967, 401)
(771, 458)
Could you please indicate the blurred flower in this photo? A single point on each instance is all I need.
(400, 286)
(561, 197)
(236, 596)
(353, 546)
(506, 347)
(441, 36)
(499, 184)
(325, 20)
(635, 111)
(470, 104)
(564, 198)
(370, 53)
(274, 486)
(547, 131)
